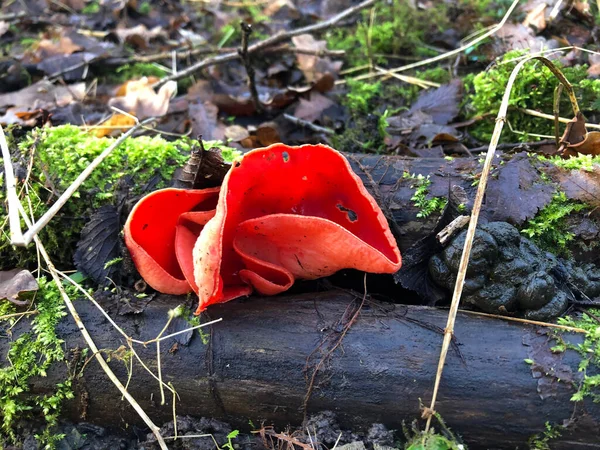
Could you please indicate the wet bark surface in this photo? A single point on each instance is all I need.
(259, 357)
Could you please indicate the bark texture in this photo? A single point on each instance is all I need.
(260, 356)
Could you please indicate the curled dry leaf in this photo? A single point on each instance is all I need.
(577, 140)
(283, 213)
(314, 67)
(139, 36)
(15, 282)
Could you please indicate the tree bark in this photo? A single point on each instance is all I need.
(260, 356)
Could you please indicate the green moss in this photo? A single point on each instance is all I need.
(548, 228)
(135, 71)
(31, 355)
(579, 162)
(398, 29)
(533, 89)
(360, 94)
(431, 440)
(589, 350)
(542, 440)
(421, 199)
(145, 8)
(91, 8)
(61, 154)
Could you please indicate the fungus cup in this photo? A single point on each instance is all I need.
(283, 213)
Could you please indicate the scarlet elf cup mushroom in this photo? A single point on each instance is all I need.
(282, 213)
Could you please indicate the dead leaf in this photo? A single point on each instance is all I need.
(142, 101)
(236, 133)
(205, 122)
(441, 103)
(15, 282)
(49, 47)
(99, 244)
(267, 134)
(139, 36)
(115, 125)
(4, 27)
(581, 185)
(577, 140)
(43, 95)
(314, 67)
(312, 109)
(508, 188)
(536, 18)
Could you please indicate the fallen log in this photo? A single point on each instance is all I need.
(260, 358)
(518, 188)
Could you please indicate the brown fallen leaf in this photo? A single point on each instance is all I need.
(581, 185)
(205, 122)
(142, 101)
(536, 18)
(115, 125)
(577, 140)
(311, 110)
(236, 133)
(267, 134)
(139, 36)
(43, 95)
(15, 282)
(314, 67)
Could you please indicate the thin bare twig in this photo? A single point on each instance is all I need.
(16, 235)
(529, 322)
(270, 41)
(464, 260)
(309, 125)
(243, 52)
(17, 238)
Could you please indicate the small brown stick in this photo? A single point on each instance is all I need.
(529, 322)
(464, 260)
(309, 125)
(22, 240)
(245, 56)
(510, 146)
(270, 41)
(449, 230)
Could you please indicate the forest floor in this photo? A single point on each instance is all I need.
(390, 77)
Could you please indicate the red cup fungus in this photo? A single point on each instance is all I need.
(282, 213)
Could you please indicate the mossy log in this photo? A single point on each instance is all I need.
(259, 358)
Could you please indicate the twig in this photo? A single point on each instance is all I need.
(464, 260)
(19, 239)
(13, 16)
(270, 41)
(16, 234)
(309, 125)
(88, 339)
(19, 314)
(449, 230)
(510, 146)
(451, 52)
(243, 52)
(529, 322)
(542, 115)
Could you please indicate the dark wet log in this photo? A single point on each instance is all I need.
(254, 368)
(516, 191)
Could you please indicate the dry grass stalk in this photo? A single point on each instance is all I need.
(464, 261)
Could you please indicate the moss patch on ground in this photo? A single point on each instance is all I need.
(533, 89)
(31, 355)
(59, 155)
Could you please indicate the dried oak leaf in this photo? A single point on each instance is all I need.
(15, 282)
(581, 185)
(205, 122)
(142, 101)
(441, 103)
(99, 244)
(139, 36)
(517, 193)
(314, 67)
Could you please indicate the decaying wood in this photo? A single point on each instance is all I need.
(256, 363)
